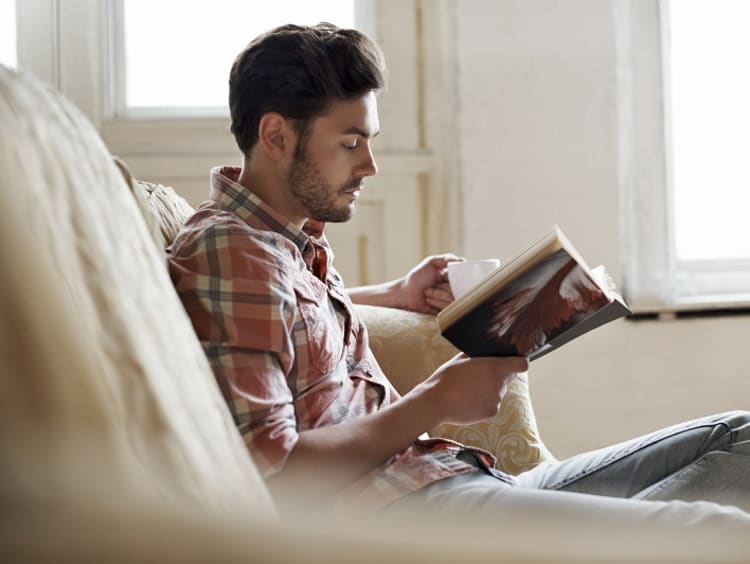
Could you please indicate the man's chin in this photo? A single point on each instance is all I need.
(337, 216)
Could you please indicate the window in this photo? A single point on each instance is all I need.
(175, 138)
(8, 54)
(183, 62)
(684, 121)
(709, 123)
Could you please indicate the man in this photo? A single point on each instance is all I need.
(289, 351)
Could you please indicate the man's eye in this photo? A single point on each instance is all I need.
(351, 146)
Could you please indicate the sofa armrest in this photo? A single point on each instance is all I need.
(409, 348)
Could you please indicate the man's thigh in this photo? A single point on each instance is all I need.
(482, 495)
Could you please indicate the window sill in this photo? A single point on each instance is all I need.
(693, 307)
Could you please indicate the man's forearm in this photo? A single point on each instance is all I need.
(387, 294)
(327, 458)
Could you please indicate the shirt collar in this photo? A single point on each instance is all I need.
(235, 198)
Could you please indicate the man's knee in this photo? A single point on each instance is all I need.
(735, 419)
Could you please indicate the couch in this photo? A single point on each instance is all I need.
(115, 444)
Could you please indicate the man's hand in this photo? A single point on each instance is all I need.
(425, 288)
(466, 390)
(462, 391)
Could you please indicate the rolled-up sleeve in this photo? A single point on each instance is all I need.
(240, 298)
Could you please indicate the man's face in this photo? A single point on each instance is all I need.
(326, 176)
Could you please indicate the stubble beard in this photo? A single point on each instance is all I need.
(315, 195)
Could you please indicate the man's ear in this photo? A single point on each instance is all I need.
(275, 136)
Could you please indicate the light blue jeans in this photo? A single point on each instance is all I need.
(691, 473)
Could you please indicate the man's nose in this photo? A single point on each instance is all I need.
(369, 166)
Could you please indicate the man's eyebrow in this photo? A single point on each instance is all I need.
(359, 131)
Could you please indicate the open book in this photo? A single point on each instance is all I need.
(534, 303)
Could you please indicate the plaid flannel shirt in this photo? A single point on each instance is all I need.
(288, 349)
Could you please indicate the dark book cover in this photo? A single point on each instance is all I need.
(554, 300)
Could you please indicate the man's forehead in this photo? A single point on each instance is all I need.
(361, 132)
(356, 116)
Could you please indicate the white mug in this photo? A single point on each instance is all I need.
(463, 275)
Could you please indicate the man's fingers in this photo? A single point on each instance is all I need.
(506, 364)
(438, 299)
(441, 261)
(441, 292)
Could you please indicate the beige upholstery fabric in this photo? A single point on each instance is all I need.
(164, 211)
(171, 209)
(105, 385)
(409, 348)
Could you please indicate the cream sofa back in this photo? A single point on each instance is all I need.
(104, 383)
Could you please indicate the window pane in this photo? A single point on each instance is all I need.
(8, 54)
(179, 53)
(708, 73)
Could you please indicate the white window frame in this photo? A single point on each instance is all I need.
(70, 44)
(73, 45)
(88, 67)
(115, 50)
(654, 280)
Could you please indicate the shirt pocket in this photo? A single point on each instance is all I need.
(323, 332)
(375, 379)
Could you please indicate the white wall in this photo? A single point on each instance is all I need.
(538, 143)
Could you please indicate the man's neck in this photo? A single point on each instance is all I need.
(263, 182)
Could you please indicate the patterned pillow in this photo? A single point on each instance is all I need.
(409, 348)
(163, 209)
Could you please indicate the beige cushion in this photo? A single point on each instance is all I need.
(172, 209)
(163, 209)
(409, 348)
(105, 386)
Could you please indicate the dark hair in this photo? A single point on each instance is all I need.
(298, 71)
